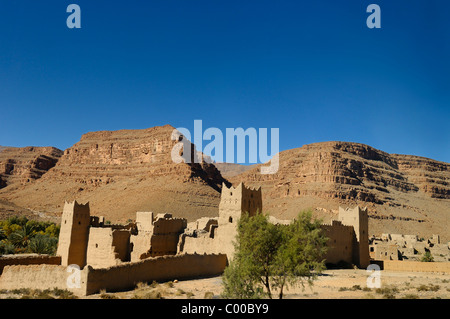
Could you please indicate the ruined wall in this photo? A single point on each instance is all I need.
(144, 221)
(416, 266)
(343, 243)
(156, 236)
(116, 278)
(28, 259)
(199, 245)
(340, 242)
(140, 245)
(220, 243)
(121, 244)
(164, 268)
(107, 247)
(204, 223)
(166, 233)
(42, 277)
(383, 251)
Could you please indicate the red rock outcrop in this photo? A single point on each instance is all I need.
(21, 165)
(121, 172)
(322, 176)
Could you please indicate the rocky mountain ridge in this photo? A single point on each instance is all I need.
(21, 165)
(121, 172)
(321, 176)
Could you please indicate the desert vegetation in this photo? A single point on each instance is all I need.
(269, 258)
(26, 293)
(20, 235)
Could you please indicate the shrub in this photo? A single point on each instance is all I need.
(153, 295)
(427, 257)
(410, 296)
(180, 292)
(7, 248)
(108, 296)
(431, 287)
(189, 294)
(208, 295)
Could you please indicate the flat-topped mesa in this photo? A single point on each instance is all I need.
(21, 165)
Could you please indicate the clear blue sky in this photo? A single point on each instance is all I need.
(311, 68)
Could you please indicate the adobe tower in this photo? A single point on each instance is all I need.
(236, 200)
(358, 218)
(74, 234)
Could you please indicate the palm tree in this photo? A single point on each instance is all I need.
(21, 238)
(42, 244)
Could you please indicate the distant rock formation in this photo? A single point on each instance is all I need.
(394, 187)
(21, 165)
(121, 172)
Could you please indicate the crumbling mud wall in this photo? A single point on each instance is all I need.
(116, 278)
(164, 268)
(28, 260)
(43, 277)
(340, 242)
(416, 266)
(107, 247)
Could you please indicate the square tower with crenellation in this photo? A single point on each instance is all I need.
(237, 200)
(358, 218)
(74, 234)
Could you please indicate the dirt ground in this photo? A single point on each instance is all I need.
(332, 284)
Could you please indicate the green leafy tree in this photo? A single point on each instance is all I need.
(300, 257)
(21, 238)
(269, 256)
(20, 235)
(16, 220)
(52, 230)
(9, 228)
(427, 257)
(239, 282)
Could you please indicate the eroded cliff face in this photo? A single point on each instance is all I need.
(429, 176)
(346, 170)
(100, 158)
(322, 176)
(21, 165)
(121, 172)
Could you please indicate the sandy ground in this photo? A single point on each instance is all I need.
(332, 284)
